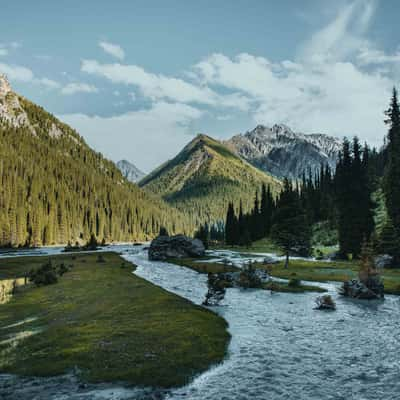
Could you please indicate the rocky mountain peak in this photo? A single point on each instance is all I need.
(5, 86)
(285, 153)
(130, 171)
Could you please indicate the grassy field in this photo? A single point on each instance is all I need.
(337, 271)
(107, 324)
(260, 246)
(285, 288)
(201, 266)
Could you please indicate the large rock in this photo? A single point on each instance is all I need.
(383, 261)
(179, 246)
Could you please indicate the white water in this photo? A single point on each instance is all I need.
(281, 347)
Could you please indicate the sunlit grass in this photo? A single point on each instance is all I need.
(107, 323)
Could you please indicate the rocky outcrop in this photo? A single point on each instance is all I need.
(284, 153)
(179, 246)
(11, 110)
(356, 289)
(325, 302)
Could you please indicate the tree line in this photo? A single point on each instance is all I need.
(55, 189)
(343, 199)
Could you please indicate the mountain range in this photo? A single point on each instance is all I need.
(130, 171)
(284, 153)
(204, 177)
(55, 188)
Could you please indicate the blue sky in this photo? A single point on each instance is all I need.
(138, 79)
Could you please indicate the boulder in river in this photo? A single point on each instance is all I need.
(178, 246)
(325, 302)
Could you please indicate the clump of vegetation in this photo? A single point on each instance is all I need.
(294, 283)
(216, 290)
(203, 234)
(92, 243)
(163, 231)
(325, 302)
(45, 275)
(48, 273)
(249, 278)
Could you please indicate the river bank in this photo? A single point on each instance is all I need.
(106, 324)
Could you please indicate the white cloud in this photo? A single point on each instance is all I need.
(49, 83)
(3, 51)
(157, 87)
(113, 49)
(341, 37)
(144, 137)
(328, 88)
(22, 74)
(17, 72)
(370, 56)
(78, 87)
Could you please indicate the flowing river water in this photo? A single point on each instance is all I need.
(281, 347)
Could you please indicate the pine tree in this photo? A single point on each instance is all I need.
(388, 241)
(290, 229)
(392, 171)
(230, 228)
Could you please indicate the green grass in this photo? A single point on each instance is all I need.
(285, 288)
(337, 271)
(203, 267)
(260, 246)
(107, 323)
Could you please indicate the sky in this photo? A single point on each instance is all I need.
(139, 79)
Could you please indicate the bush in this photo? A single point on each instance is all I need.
(45, 275)
(216, 290)
(294, 283)
(62, 269)
(248, 277)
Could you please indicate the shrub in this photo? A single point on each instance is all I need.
(45, 275)
(249, 278)
(294, 283)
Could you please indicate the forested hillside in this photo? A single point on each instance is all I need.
(55, 189)
(204, 177)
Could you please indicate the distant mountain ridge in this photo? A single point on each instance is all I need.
(284, 153)
(130, 171)
(204, 177)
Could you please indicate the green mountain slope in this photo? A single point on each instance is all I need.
(55, 188)
(204, 177)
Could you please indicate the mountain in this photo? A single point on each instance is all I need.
(130, 171)
(284, 153)
(204, 177)
(55, 188)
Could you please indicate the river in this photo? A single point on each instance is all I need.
(281, 347)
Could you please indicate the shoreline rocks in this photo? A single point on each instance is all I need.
(358, 290)
(178, 246)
